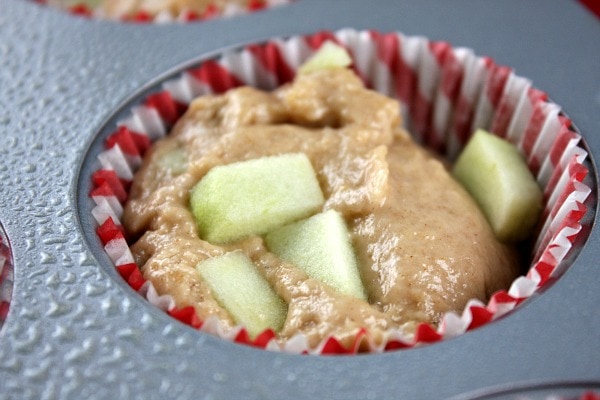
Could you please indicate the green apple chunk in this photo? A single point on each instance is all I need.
(496, 175)
(253, 197)
(246, 295)
(329, 55)
(320, 245)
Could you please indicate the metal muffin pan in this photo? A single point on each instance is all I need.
(76, 331)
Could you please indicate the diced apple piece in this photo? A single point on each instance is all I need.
(329, 55)
(321, 246)
(253, 197)
(496, 175)
(246, 295)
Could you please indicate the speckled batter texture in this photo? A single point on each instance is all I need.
(423, 246)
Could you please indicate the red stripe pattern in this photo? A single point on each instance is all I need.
(445, 94)
(6, 277)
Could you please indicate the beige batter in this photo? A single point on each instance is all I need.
(423, 246)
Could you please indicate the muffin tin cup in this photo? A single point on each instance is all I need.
(6, 276)
(553, 390)
(445, 94)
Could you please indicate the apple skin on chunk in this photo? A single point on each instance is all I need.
(321, 246)
(329, 55)
(246, 295)
(253, 197)
(494, 172)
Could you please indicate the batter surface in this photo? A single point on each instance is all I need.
(424, 248)
(121, 8)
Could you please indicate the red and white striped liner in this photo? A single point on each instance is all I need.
(445, 93)
(211, 11)
(6, 277)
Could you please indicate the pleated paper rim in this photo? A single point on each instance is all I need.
(6, 276)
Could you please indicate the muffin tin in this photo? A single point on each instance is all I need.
(76, 329)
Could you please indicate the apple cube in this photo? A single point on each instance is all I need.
(246, 295)
(329, 55)
(253, 197)
(496, 175)
(321, 246)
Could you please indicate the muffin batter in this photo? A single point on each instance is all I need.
(423, 246)
(120, 8)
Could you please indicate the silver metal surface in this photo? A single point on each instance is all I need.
(75, 330)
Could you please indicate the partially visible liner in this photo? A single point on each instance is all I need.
(445, 94)
(6, 277)
(84, 10)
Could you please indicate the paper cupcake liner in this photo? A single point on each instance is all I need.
(445, 94)
(551, 391)
(83, 9)
(6, 277)
(589, 395)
